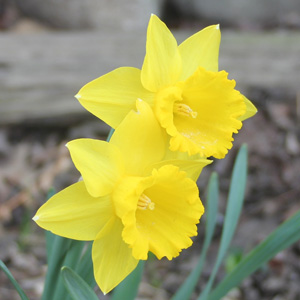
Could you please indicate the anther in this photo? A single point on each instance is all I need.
(184, 110)
(145, 202)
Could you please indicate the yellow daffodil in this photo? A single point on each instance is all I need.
(198, 106)
(130, 201)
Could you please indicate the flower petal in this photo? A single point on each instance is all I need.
(166, 226)
(140, 139)
(111, 96)
(112, 258)
(74, 214)
(100, 164)
(193, 168)
(162, 64)
(218, 106)
(200, 50)
(251, 110)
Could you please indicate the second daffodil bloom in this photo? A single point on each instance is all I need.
(130, 201)
(197, 105)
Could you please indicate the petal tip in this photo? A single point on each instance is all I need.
(77, 96)
(218, 26)
(35, 218)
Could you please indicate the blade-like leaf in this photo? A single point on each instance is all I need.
(285, 235)
(85, 266)
(233, 211)
(59, 250)
(186, 290)
(71, 260)
(13, 281)
(128, 288)
(76, 286)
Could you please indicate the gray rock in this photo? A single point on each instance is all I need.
(242, 12)
(40, 73)
(80, 14)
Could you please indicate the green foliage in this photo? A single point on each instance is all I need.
(128, 288)
(13, 281)
(233, 259)
(284, 236)
(76, 286)
(233, 211)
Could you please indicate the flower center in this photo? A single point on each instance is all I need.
(145, 202)
(184, 110)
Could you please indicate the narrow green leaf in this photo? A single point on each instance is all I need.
(128, 288)
(13, 281)
(233, 211)
(71, 260)
(186, 290)
(85, 266)
(77, 287)
(284, 236)
(59, 250)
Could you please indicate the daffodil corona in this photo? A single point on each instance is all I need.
(198, 106)
(131, 199)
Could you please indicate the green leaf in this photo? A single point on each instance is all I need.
(85, 266)
(13, 281)
(59, 250)
(186, 290)
(284, 236)
(71, 260)
(233, 211)
(128, 288)
(76, 286)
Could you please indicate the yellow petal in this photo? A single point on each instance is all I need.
(217, 105)
(140, 139)
(74, 214)
(251, 110)
(112, 258)
(100, 164)
(193, 168)
(112, 96)
(200, 50)
(166, 222)
(162, 64)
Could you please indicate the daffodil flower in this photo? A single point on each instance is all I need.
(130, 200)
(198, 106)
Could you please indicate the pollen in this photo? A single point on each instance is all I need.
(145, 202)
(184, 110)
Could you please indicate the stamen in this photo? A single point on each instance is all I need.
(184, 110)
(145, 202)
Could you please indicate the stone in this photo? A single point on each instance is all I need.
(79, 14)
(40, 73)
(243, 12)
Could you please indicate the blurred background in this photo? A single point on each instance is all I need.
(49, 49)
